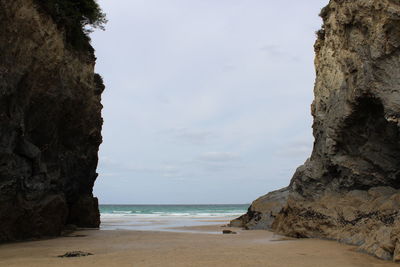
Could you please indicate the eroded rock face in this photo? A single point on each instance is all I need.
(50, 127)
(349, 189)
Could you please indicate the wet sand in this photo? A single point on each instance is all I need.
(151, 248)
(199, 246)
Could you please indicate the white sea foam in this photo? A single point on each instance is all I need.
(172, 215)
(121, 212)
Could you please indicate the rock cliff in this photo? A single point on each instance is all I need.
(349, 189)
(50, 126)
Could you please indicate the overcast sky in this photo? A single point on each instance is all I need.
(206, 101)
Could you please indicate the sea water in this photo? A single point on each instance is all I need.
(176, 210)
(166, 217)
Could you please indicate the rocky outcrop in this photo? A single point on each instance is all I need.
(50, 126)
(349, 189)
(263, 211)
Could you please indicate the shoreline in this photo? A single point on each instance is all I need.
(163, 223)
(172, 248)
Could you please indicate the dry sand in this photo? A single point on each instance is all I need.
(152, 248)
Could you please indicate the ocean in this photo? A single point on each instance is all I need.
(175, 210)
(174, 218)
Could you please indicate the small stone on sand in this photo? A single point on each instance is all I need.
(75, 254)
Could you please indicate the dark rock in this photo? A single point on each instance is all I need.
(228, 232)
(75, 254)
(50, 127)
(262, 211)
(68, 229)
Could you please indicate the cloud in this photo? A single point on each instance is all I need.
(170, 171)
(228, 68)
(129, 172)
(110, 174)
(218, 157)
(295, 150)
(104, 160)
(191, 136)
(272, 50)
(276, 52)
(218, 161)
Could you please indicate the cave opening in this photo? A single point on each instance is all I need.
(371, 143)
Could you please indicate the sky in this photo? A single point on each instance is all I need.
(206, 101)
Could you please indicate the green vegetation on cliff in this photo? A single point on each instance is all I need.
(77, 17)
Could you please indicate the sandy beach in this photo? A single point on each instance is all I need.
(200, 245)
